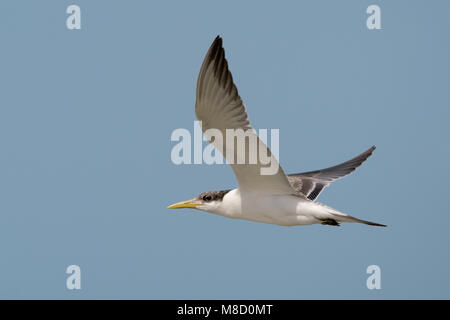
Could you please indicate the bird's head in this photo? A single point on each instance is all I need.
(207, 201)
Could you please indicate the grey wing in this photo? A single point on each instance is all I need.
(312, 183)
(219, 107)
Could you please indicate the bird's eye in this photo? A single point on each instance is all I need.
(207, 198)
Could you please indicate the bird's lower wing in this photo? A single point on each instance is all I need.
(312, 183)
(220, 109)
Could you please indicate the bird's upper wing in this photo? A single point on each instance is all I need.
(312, 183)
(220, 107)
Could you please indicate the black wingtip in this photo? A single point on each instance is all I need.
(217, 43)
(214, 49)
(369, 151)
(362, 157)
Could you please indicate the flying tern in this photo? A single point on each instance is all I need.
(280, 199)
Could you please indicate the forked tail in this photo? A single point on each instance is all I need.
(333, 217)
(353, 219)
(342, 217)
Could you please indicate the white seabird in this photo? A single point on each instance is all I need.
(278, 198)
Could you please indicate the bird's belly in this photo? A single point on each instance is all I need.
(281, 210)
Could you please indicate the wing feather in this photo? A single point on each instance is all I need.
(312, 183)
(220, 107)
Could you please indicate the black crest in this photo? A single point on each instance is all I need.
(213, 195)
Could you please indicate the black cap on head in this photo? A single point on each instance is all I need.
(213, 195)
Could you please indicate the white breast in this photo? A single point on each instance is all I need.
(274, 209)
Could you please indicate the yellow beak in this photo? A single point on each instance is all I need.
(185, 204)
